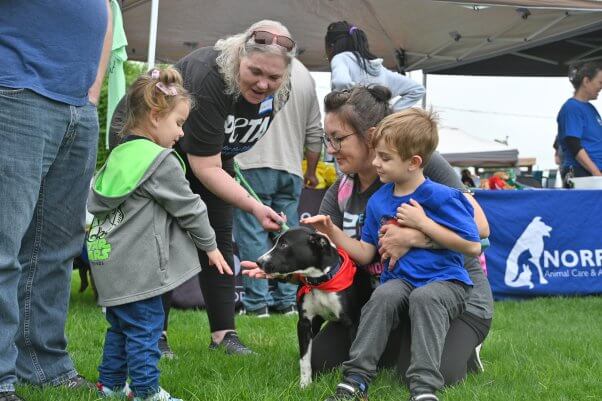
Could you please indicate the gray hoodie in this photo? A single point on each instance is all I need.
(346, 73)
(146, 224)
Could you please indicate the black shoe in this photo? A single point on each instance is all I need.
(231, 345)
(424, 397)
(349, 390)
(164, 347)
(474, 364)
(78, 382)
(10, 396)
(288, 311)
(262, 312)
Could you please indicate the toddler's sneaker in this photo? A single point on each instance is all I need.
(160, 395)
(124, 392)
(164, 347)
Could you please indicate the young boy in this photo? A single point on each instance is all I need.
(429, 282)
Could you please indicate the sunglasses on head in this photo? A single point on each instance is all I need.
(267, 38)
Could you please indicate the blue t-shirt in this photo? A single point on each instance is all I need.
(580, 120)
(447, 207)
(52, 47)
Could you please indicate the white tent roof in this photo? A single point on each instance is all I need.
(426, 34)
(464, 150)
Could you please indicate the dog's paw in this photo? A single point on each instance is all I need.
(305, 381)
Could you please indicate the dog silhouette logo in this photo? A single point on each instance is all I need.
(532, 241)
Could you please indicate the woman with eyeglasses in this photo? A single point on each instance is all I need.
(351, 117)
(237, 87)
(352, 63)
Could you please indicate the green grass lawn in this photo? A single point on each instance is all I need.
(545, 349)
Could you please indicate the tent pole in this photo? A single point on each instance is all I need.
(424, 74)
(152, 37)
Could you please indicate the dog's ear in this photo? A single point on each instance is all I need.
(319, 240)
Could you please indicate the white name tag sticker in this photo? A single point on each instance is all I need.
(266, 105)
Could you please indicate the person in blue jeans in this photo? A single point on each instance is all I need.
(144, 236)
(403, 143)
(273, 169)
(48, 139)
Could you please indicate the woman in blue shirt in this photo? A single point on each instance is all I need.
(580, 125)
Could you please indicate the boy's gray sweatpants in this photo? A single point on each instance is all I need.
(430, 308)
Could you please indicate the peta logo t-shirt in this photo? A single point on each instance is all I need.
(219, 123)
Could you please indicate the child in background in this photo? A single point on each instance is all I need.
(142, 241)
(404, 142)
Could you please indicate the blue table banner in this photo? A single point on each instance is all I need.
(544, 242)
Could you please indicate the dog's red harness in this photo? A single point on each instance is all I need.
(339, 282)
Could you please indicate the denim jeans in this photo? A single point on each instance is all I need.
(281, 191)
(47, 158)
(132, 346)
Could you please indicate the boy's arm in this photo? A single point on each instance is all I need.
(412, 215)
(361, 252)
(169, 188)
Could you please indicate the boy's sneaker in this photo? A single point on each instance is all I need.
(350, 390)
(10, 396)
(424, 397)
(160, 395)
(231, 345)
(124, 392)
(164, 347)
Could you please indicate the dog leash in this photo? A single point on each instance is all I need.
(242, 181)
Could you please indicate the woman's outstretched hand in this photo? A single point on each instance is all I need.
(268, 218)
(252, 270)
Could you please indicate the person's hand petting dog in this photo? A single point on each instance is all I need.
(217, 259)
(321, 223)
(411, 215)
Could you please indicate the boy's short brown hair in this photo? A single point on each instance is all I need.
(410, 132)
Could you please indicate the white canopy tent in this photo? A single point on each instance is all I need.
(464, 150)
(430, 35)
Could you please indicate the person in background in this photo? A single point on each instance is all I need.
(49, 134)
(273, 169)
(467, 178)
(352, 63)
(143, 207)
(580, 125)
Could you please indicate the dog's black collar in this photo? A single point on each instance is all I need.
(314, 281)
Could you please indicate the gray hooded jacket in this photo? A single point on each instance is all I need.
(346, 73)
(146, 224)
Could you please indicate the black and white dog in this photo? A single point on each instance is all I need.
(326, 291)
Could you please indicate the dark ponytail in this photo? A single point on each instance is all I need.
(341, 36)
(360, 107)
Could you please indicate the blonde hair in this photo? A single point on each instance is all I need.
(233, 48)
(145, 94)
(410, 132)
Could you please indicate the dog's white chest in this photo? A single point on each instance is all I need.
(320, 303)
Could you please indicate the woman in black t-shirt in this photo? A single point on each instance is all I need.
(237, 87)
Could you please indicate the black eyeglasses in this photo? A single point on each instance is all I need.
(334, 142)
(267, 38)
